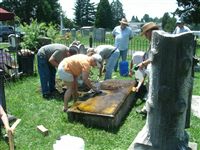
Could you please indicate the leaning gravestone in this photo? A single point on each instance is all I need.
(170, 90)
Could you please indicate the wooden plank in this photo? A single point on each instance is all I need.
(15, 124)
(43, 130)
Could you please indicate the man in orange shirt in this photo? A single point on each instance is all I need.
(71, 67)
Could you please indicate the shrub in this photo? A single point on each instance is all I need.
(35, 31)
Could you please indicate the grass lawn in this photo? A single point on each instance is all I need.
(24, 100)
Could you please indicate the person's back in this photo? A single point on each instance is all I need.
(77, 63)
(104, 50)
(53, 49)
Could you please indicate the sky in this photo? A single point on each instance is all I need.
(154, 8)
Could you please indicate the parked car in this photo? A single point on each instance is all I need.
(4, 32)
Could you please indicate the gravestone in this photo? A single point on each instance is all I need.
(99, 35)
(86, 31)
(169, 96)
(73, 33)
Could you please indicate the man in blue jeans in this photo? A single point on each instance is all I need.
(122, 34)
(110, 54)
(49, 57)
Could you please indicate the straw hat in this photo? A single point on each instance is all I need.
(124, 21)
(148, 26)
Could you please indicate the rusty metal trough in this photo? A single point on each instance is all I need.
(108, 109)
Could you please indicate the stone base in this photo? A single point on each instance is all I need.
(193, 145)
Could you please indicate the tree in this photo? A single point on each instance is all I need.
(68, 23)
(117, 11)
(84, 13)
(168, 23)
(44, 11)
(135, 19)
(189, 10)
(146, 18)
(103, 15)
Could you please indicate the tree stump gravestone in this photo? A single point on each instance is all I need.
(169, 96)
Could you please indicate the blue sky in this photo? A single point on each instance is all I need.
(155, 8)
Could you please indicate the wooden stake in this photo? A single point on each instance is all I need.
(11, 136)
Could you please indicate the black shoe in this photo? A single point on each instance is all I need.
(47, 96)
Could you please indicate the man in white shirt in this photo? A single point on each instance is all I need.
(180, 27)
(122, 34)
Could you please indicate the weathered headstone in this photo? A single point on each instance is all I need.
(99, 35)
(170, 90)
(85, 31)
(73, 33)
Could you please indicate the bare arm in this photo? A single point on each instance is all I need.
(131, 71)
(144, 63)
(87, 81)
(53, 62)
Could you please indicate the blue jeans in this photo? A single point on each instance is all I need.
(111, 64)
(47, 75)
(123, 54)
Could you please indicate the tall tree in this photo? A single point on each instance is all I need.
(189, 10)
(103, 15)
(84, 13)
(168, 23)
(43, 11)
(117, 11)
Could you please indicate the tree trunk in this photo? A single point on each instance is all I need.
(170, 89)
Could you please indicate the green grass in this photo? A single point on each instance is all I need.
(24, 101)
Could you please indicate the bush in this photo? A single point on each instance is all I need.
(34, 32)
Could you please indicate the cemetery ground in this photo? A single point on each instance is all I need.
(24, 100)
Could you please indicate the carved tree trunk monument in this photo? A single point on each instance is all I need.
(170, 90)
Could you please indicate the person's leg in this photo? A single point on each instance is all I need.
(67, 95)
(111, 64)
(116, 64)
(43, 70)
(69, 80)
(124, 55)
(52, 76)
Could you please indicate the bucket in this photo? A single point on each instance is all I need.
(26, 64)
(123, 68)
(68, 142)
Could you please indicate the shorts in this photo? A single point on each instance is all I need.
(65, 76)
